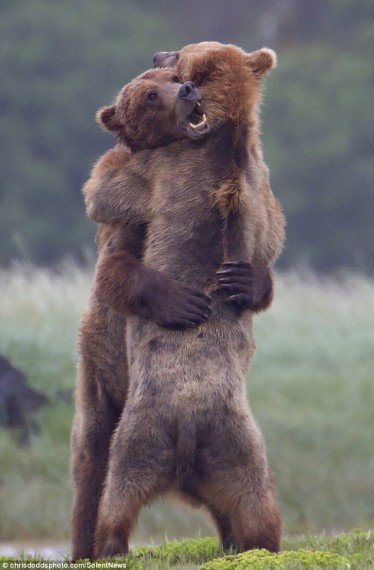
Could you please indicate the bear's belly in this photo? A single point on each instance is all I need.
(195, 368)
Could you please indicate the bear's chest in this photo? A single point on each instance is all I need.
(190, 235)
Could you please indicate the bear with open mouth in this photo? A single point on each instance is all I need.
(186, 428)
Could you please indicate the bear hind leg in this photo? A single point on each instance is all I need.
(246, 515)
(137, 473)
(118, 514)
(89, 458)
(224, 528)
(257, 527)
(256, 520)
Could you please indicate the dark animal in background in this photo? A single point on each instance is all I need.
(18, 402)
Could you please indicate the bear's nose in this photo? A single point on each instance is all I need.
(188, 91)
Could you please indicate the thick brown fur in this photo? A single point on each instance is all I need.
(187, 428)
(102, 381)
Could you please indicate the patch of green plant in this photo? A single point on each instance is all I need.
(354, 550)
(195, 551)
(357, 546)
(264, 560)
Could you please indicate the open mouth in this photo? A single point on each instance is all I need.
(195, 124)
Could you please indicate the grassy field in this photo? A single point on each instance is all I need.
(310, 386)
(353, 551)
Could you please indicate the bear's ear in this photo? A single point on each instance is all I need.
(261, 61)
(106, 117)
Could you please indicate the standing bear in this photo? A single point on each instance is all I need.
(102, 381)
(187, 428)
(161, 104)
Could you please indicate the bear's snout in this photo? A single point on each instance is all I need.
(189, 92)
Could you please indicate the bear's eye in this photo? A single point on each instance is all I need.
(152, 96)
(175, 78)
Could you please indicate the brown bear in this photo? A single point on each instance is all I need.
(102, 381)
(187, 428)
(157, 100)
(158, 127)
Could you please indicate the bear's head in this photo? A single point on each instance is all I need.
(153, 110)
(228, 78)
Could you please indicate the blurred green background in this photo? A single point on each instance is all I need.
(310, 383)
(60, 61)
(310, 386)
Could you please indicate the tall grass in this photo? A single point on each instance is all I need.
(310, 386)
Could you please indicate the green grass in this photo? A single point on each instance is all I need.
(310, 385)
(354, 551)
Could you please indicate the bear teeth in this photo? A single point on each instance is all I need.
(199, 125)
